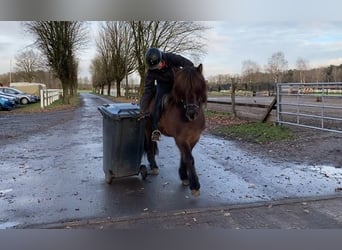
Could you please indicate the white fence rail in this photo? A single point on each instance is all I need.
(48, 96)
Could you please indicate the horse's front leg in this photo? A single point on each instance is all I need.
(187, 171)
(183, 172)
(151, 157)
(193, 178)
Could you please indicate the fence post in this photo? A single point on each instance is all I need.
(48, 96)
(42, 98)
(269, 109)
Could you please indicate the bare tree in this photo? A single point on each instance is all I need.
(27, 64)
(97, 74)
(277, 64)
(105, 54)
(121, 45)
(59, 41)
(302, 67)
(173, 36)
(250, 70)
(336, 73)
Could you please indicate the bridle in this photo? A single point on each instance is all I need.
(189, 105)
(191, 110)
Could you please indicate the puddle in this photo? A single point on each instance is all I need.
(8, 224)
(2, 192)
(328, 171)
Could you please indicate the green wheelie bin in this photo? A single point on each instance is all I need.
(123, 140)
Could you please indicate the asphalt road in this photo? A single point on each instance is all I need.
(55, 175)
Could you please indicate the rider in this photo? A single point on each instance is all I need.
(160, 65)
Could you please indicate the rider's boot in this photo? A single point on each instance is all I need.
(156, 135)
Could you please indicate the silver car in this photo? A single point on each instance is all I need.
(23, 97)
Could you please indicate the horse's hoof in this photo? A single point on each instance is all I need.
(195, 192)
(185, 182)
(155, 171)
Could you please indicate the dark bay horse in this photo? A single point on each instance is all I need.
(183, 119)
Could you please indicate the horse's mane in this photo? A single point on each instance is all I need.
(189, 81)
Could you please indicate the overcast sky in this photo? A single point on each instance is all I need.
(229, 44)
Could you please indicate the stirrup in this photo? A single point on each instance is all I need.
(156, 135)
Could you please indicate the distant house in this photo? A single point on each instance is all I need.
(32, 88)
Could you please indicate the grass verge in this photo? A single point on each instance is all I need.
(256, 132)
(75, 101)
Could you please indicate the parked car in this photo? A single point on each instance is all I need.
(6, 102)
(24, 97)
(16, 97)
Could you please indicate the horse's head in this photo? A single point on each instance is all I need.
(190, 89)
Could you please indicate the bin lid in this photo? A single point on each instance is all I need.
(120, 110)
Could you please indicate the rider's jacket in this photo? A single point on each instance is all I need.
(163, 77)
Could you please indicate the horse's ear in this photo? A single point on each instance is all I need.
(200, 68)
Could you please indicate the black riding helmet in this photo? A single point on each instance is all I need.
(153, 58)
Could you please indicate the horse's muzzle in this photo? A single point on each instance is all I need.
(191, 111)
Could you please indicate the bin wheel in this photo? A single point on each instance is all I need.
(143, 171)
(108, 178)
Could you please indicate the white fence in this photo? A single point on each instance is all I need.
(48, 96)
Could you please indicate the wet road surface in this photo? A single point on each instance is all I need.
(56, 175)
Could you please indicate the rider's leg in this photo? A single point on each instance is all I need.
(162, 89)
(155, 118)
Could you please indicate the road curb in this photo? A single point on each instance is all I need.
(315, 212)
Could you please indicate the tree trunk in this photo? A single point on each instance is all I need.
(109, 88)
(66, 97)
(142, 83)
(118, 88)
(126, 86)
